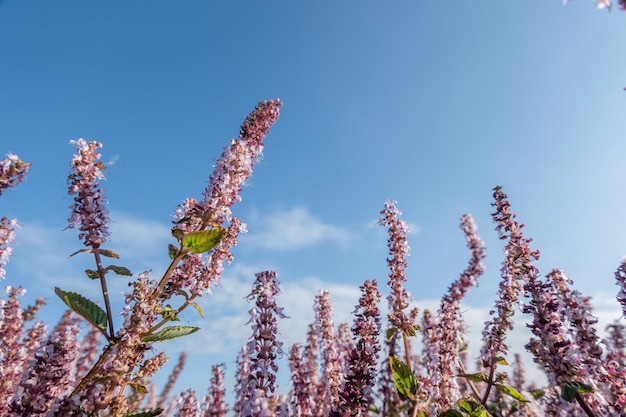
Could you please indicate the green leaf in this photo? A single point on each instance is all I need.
(169, 333)
(92, 274)
(138, 388)
(473, 409)
(391, 332)
(498, 360)
(153, 413)
(477, 377)
(119, 270)
(172, 251)
(412, 331)
(405, 380)
(167, 312)
(451, 413)
(80, 251)
(511, 392)
(537, 393)
(204, 240)
(108, 253)
(84, 307)
(569, 391)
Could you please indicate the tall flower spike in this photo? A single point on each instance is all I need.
(357, 393)
(89, 213)
(398, 252)
(235, 165)
(188, 405)
(331, 365)
(12, 352)
(215, 402)
(447, 335)
(263, 346)
(301, 399)
(517, 268)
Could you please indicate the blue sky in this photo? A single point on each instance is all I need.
(431, 104)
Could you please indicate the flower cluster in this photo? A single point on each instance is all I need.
(12, 171)
(339, 370)
(398, 252)
(89, 212)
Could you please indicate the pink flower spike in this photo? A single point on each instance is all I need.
(89, 212)
(235, 164)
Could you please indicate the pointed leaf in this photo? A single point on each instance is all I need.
(167, 312)
(92, 274)
(537, 393)
(477, 377)
(80, 251)
(108, 253)
(197, 307)
(472, 408)
(404, 378)
(511, 392)
(451, 413)
(204, 240)
(119, 270)
(169, 333)
(84, 307)
(391, 332)
(138, 388)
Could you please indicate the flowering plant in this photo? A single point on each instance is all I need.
(363, 369)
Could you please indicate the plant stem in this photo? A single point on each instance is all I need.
(166, 276)
(492, 370)
(105, 291)
(584, 405)
(92, 372)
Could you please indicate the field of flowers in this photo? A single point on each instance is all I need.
(84, 366)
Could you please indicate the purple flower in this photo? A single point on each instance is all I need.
(332, 373)
(12, 352)
(49, 377)
(12, 171)
(263, 346)
(620, 277)
(89, 212)
(517, 268)
(215, 402)
(187, 405)
(357, 393)
(398, 252)
(7, 234)
(302, 398)
(235, 165)
(444, 338)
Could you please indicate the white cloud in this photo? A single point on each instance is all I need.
(292, 229)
